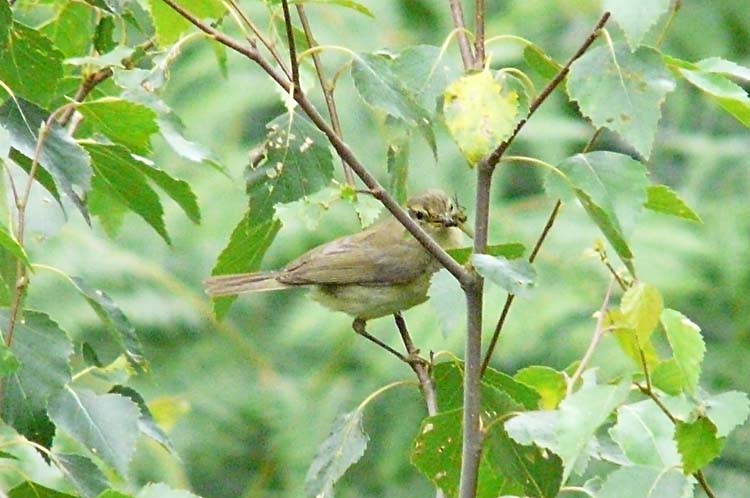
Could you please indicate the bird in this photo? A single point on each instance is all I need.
(379, 271)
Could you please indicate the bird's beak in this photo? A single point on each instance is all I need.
(465, 228)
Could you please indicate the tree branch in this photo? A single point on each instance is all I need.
(479, 56)
(325, 86)
(292, 48)
(342, 149)
(464, 47)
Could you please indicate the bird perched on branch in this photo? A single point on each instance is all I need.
(377, 272)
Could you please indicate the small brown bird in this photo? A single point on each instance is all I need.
(379, 271)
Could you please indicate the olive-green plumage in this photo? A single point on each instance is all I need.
(377, 272)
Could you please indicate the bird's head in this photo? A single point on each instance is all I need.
(435, 210)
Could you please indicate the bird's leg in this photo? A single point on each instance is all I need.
(359, 328)
(408, 343)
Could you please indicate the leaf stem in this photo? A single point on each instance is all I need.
(595, 339)
(464, 47)
(325, 85)
(479, 54)
(342, 149)
(676, 6)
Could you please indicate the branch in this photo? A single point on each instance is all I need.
(463, 41)
(419, 367)
(325, 86)
(598, 334)
(479, 56)
(88, 85)
(292, 49)
(342, 149)
(492, 160)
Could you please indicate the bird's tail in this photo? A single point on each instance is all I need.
(229, 285)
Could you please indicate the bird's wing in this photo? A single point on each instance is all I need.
(384, 254)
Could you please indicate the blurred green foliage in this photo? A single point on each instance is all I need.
(248, 400)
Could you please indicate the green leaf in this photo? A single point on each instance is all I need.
(639, 481)
(663, 199)
(645, 434)
(722, 66)
(636, 17)
(622, 91)
(6, 18)
(548, 382)
(104, 35)
(381, 88)
(72, 29)
(104, 204)
(449, 383)
(61, 156)
(539, 473)
(115, 166)
(87, 478)
(729, 95)
(349, 4)
(114, 320)
(113, 58)
(668, 377)
(727, 411)
(629, 342)
(9, 242)
(161, 490)
(172, 130)
(30, 489)
(568, 430)
(111, 493)
(124, 122)
(146, 422)
(106, 424)
(8, 362)
(511, 250)
(612, 189)
(178, 190)
(419, 70)
(687, 345)
(31, 65)
(437, 454)
(397, 157)
(344, 446)
(448, 302)
(698, 444)
(243, 253)
(170, 26)
(297, 163)
(540, 62)
(42, 177)
(641, 307)
(42, 348)
(480, 114)
(516, 276)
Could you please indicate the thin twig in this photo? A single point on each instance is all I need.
(325, 86)
(342, 149)
(492, 160)
(292, 48)
(595, 339)
(479, 42)
(464, 47)
(88, 85)
(420, 368)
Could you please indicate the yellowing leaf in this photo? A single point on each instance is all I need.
(479, 114)
(641, 308)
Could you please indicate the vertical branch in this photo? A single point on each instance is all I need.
(479, 56)
(292, 48)
(325, 86)
(464, 47)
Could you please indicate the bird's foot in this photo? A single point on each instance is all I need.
(359, 327)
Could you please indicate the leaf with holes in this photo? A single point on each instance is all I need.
(622, 90)
(344, 446)
(42, 349)
(480, 114)
(645, 435)
(663, 199)
(106, 424)
(687, 345)
(516, 276)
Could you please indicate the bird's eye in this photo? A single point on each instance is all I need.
(420, 215)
